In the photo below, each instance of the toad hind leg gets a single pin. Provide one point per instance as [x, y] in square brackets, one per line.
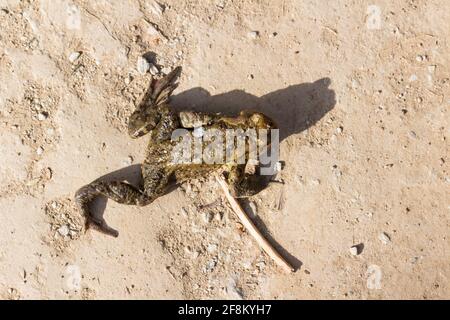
[118, 191]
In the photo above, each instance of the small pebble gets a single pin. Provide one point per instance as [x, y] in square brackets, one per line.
[253, 34]
[42, 116]
[166, 70]
[151, 30]
[128, 161]
[142, 65]
[63, 230]
[74, 56]
[210, 265]
[39, 150]
[219, 216]
[48, 173]
[221, 4]
[153, 69]
[356, 249]
[384, 238]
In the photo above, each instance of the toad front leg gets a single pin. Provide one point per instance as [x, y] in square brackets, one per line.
[153, 107]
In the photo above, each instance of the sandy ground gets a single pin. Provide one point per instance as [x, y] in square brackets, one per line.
[361, 93]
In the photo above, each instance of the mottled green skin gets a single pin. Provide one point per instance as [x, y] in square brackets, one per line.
[154, 116]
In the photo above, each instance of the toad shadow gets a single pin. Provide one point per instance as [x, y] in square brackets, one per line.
[294, 109]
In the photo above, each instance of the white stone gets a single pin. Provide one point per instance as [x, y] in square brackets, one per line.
[39, 150]
[63, 230]
[153, 69]
[142, 65]
[42, 116]
[74, 56]
[166, 70]
[253, 34]
[384, 238]
[354, 251]
[210, 265]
